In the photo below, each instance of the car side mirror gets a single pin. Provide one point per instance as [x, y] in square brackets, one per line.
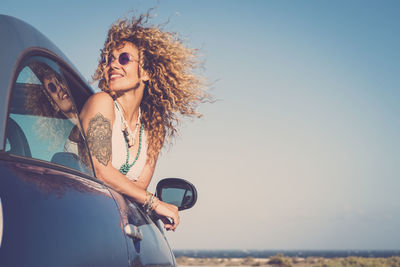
[178, 192]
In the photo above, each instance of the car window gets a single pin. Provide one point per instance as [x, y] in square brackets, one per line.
[43, 121]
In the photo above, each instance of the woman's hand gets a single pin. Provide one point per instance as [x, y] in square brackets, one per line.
[168, 214]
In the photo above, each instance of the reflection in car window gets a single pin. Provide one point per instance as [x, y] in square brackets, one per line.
[43, 122]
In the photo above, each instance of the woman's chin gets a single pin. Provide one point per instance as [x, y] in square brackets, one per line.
[123, 88]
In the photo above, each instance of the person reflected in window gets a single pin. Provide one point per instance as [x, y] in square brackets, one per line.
[59, 97]
[57, 93]
[57, 114]
[148, 80]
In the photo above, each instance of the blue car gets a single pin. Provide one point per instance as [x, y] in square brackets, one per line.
[53, 209]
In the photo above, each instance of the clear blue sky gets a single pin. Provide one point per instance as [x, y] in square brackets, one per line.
[302, 149]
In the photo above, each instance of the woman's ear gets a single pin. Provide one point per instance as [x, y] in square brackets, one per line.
[145, 76]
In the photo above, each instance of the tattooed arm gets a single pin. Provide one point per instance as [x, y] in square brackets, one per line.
[99, 138]
[97, 119]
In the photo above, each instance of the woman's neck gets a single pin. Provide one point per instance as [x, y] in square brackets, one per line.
[130, 102]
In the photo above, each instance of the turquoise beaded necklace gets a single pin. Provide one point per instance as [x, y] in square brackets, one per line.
[125, 167]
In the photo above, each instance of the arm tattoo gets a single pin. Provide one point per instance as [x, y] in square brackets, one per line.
[99, 138]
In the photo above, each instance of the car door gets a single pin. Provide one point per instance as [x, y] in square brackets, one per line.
[54, 212]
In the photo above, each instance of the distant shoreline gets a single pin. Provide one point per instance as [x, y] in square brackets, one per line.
[281, 260]
[225, 253]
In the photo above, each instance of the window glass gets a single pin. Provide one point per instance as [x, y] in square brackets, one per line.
[43, 121]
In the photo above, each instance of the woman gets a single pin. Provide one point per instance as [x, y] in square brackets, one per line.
[147, 80]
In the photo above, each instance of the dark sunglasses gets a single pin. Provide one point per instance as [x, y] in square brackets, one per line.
[52, 87]
[123, 59]
[55, 86]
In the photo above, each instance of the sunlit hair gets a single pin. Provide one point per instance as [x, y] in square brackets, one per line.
[174, 88]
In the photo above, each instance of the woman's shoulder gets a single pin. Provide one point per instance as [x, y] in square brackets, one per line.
[99, 103]
[100, 98]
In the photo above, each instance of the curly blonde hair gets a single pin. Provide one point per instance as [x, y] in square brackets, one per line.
[173, 89]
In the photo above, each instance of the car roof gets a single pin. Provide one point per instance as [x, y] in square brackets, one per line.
[17, 39]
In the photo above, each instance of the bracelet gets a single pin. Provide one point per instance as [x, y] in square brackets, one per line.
[156, 202]
[151, 202]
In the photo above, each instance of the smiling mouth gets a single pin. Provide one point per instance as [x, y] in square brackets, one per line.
[64, 95]
[114, 76]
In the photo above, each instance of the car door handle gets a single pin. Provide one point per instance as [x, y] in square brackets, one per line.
[133, 232]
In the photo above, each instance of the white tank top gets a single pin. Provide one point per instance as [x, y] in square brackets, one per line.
[119, 148]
